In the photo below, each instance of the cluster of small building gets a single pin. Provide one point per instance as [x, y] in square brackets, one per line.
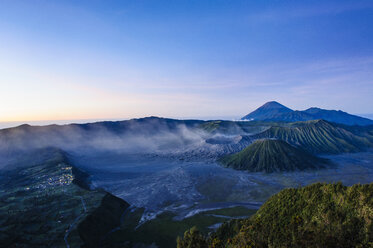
[63, 179]
[58, 180]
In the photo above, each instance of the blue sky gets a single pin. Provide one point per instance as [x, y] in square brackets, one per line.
[64, 60]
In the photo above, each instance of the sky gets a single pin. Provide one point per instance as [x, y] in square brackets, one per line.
[79, 60]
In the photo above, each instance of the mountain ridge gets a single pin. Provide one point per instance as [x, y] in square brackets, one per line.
[318, 137]
[274, 111]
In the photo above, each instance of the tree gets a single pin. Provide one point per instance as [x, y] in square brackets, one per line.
[192, 239]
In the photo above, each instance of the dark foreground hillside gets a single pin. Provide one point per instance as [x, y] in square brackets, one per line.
[319, 215]
[42, 203]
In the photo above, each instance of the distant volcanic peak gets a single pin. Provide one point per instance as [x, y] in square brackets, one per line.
[269, 110]
[274, 105]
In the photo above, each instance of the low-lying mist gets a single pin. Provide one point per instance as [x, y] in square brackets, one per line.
[176, 139]
[153, 135]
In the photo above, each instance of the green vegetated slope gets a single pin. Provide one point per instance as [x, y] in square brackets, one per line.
[318, 215]
[363, 131]
[270, 155]
[42, 203]
[221, 126]
[318, 137]
[233, 127]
